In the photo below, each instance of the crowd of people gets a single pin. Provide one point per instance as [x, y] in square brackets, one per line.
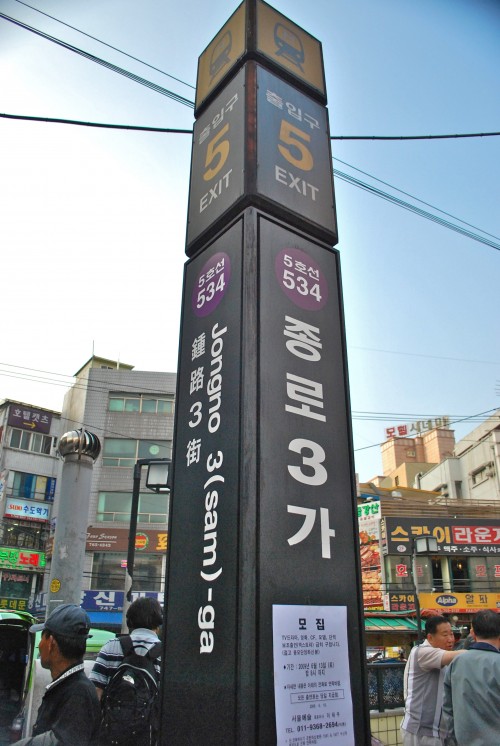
[452, 696]
[75, 709]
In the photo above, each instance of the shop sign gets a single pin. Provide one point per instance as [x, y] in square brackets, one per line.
[28, 418]
[116, 540]
[399, 602]
[463, 603]
[369, 543]
[27, 510]
[13, 604]
[454, 536]
[97, 600]
[21, 559]
[416, 428]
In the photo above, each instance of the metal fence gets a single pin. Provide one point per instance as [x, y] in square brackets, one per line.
[385, 685]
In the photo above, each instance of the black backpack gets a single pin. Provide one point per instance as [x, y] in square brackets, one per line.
[130, 703]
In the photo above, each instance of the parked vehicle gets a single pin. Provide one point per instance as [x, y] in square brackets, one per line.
[22, 678]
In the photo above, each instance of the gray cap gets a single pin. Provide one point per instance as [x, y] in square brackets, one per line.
[68, 620]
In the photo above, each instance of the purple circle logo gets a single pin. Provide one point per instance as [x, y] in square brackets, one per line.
[301, 279]
[211, 285]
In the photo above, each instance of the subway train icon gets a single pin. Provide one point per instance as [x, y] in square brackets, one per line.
[220, 54]
[288, 45]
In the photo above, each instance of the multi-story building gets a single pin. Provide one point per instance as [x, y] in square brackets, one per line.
[457, 503]
[132, 413]
[28, 485]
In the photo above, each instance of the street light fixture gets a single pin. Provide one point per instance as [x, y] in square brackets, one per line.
[158, 480]
[422, 545]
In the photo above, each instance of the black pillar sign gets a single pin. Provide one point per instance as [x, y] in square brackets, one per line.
[203, 552]
[263, 520]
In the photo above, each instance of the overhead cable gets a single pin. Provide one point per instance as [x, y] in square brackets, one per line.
[104, 63]
[110, 46]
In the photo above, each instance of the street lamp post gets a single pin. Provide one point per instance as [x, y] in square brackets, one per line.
[422, 545]
[157, 480]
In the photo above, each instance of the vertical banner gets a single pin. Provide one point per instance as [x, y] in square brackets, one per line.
[308, 532]
[203, 561]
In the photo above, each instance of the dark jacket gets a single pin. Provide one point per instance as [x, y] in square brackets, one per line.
[69, 713]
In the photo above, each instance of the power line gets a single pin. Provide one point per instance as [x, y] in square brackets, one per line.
[54, 120]
[116, 49]
[413, 208]
[407, 194]
[100, 61]
[413, 137]
[470, 418]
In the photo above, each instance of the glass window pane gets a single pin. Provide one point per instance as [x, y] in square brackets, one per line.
[36, 442]
[25, 441]
[40, 487]
[110, 461]
[132, 405]
[153, 502]
[110, 502]
[107, 571]
[116, 405]
[153, 449]
[15, 439]
[165, 406]
[149, 406]
[120, 447]
[46, 444]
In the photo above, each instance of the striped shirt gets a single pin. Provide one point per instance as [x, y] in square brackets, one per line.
[423, 686]
[111, 655]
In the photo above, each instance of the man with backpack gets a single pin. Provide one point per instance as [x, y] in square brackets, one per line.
[126, 675]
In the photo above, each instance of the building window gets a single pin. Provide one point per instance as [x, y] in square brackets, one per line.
[459, 572]
[142, 404]
[31, 486]
[23, 534]
[116, 506]
[26, 441]
[458, 490]
[108, 571]
[124, 452]
[479, 476]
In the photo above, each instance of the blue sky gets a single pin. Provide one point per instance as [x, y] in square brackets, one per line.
[93, 221]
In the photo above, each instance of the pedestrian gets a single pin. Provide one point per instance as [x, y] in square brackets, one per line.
[69, 712]
[126, 675]
[423, 685]
[471, 703]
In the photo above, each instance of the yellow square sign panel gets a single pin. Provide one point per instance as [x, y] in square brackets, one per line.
[222, 53]
[289, 46]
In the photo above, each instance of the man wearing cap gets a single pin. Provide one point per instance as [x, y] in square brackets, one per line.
[69, 713]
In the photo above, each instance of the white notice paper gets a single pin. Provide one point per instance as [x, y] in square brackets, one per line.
[311, 676]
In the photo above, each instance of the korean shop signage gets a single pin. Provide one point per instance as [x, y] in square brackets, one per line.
[116, 540]
[454, 536]
[28, 418]
[21, 559]
[399, 601]
[416, 428]
[369, 547]
[464, 603]
[28, 510]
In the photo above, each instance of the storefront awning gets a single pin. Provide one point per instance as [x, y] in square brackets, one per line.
[390, 624]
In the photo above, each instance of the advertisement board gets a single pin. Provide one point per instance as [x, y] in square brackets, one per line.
[453, 535]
